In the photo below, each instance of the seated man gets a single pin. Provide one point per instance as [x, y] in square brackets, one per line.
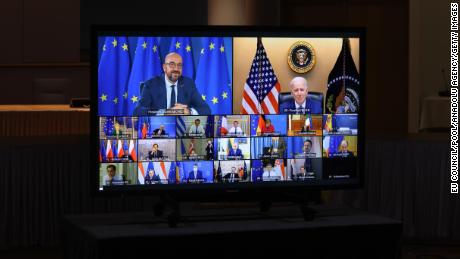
[155, 153]
[343, 150]
[160, 131]
[111, 178]
[270, 174]
[300, 104]
[195, 175]
[232, 176]
[171, 92]
[235, 130]
[235, 152]
[196, 129]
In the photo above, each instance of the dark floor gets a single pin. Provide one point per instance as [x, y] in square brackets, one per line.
[407, 252]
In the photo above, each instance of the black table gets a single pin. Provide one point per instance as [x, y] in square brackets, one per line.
[234, 233]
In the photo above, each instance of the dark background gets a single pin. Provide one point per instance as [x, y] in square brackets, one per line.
[407, 171]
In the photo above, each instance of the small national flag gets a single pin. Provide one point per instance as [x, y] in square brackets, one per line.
[260, 95]
[109, 126]
[121, 151]
[141, 174]
[132, 150]
[245, 171]
[109, 151]
[342, 94]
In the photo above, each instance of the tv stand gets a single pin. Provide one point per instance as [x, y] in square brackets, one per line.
[169, 205]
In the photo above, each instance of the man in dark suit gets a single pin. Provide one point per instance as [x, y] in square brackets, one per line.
[155, 153]
[235, 152]
[300, 104]
[151, 177]
[160, 131]
[232, 176]
[195, 174]
[171, 92]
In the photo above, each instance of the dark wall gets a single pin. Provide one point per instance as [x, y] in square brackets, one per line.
[140, 12]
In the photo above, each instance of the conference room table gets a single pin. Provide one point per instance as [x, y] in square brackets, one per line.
[43, 120]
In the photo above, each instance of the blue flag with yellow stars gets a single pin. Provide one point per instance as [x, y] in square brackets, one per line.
[183, 47]
[212, 77]
[146, 64]
[113, 74]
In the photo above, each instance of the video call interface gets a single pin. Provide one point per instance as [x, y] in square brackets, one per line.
[219, 110]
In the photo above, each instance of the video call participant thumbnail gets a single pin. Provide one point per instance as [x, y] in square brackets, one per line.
[235, 152]
[196, 175]
[343, 150]
[155, 153]
[111, 177]
[151, 177]
[235, 130]
[196, 130]
[232, 176]
[300, 103]
[171, 92]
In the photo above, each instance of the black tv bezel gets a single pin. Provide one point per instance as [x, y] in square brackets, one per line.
[218, 191]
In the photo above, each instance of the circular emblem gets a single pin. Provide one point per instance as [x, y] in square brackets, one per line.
[301, 57]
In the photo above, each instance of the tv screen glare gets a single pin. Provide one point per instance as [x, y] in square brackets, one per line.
[226, 107]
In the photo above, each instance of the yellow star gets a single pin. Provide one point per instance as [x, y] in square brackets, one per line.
[224, 95]
[215, 100]
[202, 51]
[211, 46]
[134, 99]
[114, 42]
[188, 48]
[125, 47]
[203, 97]
[154, 48]
[115, 100]
[104, 48]
[144, 45]
[177, 45]
[222, 49]
[103, 97]
[125, 95]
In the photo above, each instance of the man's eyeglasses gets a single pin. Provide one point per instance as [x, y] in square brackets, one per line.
[174, 65]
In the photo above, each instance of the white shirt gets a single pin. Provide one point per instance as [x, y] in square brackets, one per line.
[272, 174]
[304, 104]
[193, 129]
[168, 94]
[238, 130]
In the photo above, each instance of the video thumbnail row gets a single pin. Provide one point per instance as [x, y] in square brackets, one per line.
[298, 169]
[183, 149]
[227, 126]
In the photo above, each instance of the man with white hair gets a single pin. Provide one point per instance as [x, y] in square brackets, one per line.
[300, 104]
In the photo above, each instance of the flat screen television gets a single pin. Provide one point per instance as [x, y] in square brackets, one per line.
[210, 111]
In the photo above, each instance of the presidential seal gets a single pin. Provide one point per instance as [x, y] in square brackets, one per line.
[301, 57]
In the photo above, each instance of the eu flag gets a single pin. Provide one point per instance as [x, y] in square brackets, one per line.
[146, 64]
[113, 76]
[212, 77]
[183, 47]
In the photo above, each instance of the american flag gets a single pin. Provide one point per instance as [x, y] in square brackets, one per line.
[260, 95]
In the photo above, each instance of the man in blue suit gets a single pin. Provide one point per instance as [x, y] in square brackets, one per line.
[171, 92]
[235, 152]
[195, 174]
[300, 104]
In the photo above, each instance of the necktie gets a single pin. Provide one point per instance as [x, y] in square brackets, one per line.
[196, 130]
[173, 97]
[307, 164]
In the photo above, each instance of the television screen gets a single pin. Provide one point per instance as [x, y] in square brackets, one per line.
[213, 107]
